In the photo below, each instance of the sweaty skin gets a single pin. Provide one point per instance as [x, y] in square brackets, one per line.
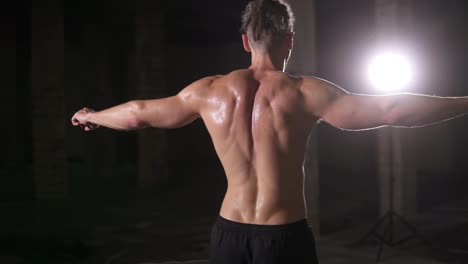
[259, 125]
[259, 120]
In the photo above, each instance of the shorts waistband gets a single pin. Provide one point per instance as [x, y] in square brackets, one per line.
[299, 225]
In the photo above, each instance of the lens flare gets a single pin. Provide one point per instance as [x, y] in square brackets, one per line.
[390, 72]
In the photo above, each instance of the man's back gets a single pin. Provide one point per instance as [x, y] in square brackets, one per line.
[259, 127]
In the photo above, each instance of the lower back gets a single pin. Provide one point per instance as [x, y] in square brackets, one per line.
[260, 200]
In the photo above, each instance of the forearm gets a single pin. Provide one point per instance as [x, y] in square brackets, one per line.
[410, 110]
[120, 117]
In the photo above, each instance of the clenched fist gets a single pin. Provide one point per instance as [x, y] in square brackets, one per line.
[81, 119]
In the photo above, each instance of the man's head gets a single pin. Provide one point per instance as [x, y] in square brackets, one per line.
[267, 25]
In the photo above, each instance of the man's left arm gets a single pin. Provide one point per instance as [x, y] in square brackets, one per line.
[360, 112]
[170, 112]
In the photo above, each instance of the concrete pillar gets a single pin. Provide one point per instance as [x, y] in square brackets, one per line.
[150, 83]
[48, 107]
[304, 62]
[304, 56]
[16, 182]
[392, 16]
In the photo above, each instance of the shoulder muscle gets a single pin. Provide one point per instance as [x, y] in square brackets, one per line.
[319, 94]
[197, 92]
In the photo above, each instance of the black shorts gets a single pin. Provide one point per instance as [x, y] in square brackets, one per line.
[238, 243]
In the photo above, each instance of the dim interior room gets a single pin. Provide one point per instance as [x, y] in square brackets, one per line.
[151, 196]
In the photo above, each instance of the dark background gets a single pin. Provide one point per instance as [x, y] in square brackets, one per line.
[98, 54]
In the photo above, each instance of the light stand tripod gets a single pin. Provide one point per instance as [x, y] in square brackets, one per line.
[387, 234]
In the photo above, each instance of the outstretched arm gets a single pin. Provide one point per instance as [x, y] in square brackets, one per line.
[171, 112]
[360, 112]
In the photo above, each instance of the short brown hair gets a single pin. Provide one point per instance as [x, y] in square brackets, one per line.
[267, 21]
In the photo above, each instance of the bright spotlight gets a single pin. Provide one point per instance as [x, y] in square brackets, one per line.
[390, 72]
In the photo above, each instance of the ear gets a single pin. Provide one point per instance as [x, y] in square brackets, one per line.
[291, 39]
[245, 41]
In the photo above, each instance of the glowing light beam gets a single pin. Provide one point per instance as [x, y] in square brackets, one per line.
[390, 72]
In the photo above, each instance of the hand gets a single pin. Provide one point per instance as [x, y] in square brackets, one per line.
[81, 119]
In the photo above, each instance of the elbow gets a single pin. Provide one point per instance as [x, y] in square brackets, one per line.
[392, 116]
[134, 120]
[391, 119]
[397, 118]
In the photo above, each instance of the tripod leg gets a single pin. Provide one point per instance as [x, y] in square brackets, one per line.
[413, 229]
[373, 229]
[379, 253]
[387, 233]
[392, 228]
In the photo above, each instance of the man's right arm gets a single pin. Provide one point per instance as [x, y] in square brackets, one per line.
[170, 112]
[360, 112]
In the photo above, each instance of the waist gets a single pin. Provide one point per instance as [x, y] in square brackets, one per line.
[226, 224]
[264, 212]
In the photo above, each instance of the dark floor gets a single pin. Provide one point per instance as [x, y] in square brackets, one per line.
[158, 229]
